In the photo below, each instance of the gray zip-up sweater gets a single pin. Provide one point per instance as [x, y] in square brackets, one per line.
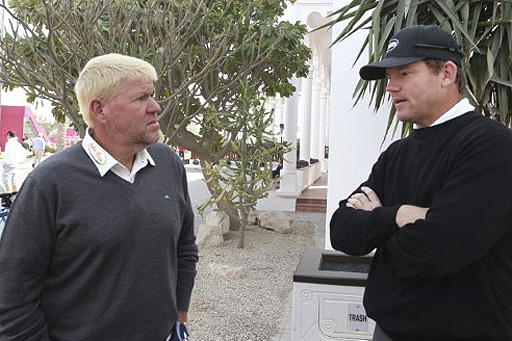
[85, 257]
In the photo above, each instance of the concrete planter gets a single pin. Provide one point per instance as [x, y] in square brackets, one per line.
[328, 292]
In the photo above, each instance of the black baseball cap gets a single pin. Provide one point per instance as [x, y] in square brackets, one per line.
[412, 44]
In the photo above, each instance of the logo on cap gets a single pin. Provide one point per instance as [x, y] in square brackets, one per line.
[392, 44]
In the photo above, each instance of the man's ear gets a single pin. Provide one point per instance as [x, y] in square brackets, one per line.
[449, 72]
[97, 110]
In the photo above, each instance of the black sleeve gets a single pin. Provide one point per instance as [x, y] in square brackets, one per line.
[358, 232]
[467, 218]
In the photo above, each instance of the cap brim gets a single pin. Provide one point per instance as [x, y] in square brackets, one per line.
[377, 70]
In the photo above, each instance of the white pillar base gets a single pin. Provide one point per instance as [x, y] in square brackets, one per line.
[288, 185]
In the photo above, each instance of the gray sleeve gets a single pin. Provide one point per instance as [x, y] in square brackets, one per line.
[187, 253]
[25, 254]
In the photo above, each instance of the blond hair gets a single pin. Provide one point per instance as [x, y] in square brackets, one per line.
[102, 77]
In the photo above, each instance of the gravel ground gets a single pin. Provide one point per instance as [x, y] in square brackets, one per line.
[250, 308]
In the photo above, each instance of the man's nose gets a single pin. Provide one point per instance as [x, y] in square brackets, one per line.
[155, 107]
[392, 86]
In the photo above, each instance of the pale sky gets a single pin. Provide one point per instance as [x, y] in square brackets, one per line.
[17, 97]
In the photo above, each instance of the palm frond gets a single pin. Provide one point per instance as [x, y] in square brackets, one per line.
[482, 28]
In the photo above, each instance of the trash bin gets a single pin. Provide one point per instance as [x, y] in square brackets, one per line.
[328, 289]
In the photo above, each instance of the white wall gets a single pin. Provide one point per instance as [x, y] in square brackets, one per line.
[302, 8]
[356, 132]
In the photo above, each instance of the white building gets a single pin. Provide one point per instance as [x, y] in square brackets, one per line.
[322, 112]
[323, 116]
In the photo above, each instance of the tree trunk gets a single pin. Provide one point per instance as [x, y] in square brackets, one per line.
[61, 136]
[241, 240]
[228, 208]
[225, 206]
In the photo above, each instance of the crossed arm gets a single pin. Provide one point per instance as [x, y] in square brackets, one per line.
[368, 201]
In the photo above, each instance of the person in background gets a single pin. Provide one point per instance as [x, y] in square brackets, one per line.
[99, 244]
[437, 206]
[181, 152]
[276, 173]
[38, 145]
[25, 142]
[13, 156]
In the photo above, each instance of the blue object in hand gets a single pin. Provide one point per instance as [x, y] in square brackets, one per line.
[179, 333]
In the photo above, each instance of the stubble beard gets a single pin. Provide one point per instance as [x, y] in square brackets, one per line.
[146, 139]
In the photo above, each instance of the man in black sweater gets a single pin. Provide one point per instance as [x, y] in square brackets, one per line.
[99, 244]
[437, 205]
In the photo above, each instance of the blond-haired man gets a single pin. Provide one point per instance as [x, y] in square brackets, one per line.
[99, 244]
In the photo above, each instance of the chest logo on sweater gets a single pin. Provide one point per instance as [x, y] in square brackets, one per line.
[98, 155]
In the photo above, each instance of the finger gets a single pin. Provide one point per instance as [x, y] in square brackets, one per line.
[362, 198]
[349, 205]
[352, 202]
[355, 203]
[372, 196]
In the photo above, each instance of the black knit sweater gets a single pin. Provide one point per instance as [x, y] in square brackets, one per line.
[448, 276]
[85, 257]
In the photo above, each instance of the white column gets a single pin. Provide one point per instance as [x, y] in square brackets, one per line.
[288, 185]
[315, 115]
[278, 107]
[323, 126]
[328, 116]
[279, 113]
[269, 106]
[305, 127]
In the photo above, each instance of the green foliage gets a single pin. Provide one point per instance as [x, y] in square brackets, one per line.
[200, 48]
[203, 51]
[482, 28]
[248, 176]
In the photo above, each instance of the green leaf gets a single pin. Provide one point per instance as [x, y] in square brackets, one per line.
[482, 28]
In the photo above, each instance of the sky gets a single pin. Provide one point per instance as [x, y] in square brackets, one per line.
[17, 97]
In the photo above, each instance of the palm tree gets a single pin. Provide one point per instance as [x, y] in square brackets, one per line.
[482, 28]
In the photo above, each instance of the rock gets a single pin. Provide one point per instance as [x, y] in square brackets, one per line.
[209, 236]
[218, 219]
[225, 271]
[277, 221]
[252, 217]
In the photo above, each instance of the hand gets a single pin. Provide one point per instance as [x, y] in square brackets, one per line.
[182, 316]
[368, 200]
[180, 331]
[408, 214]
